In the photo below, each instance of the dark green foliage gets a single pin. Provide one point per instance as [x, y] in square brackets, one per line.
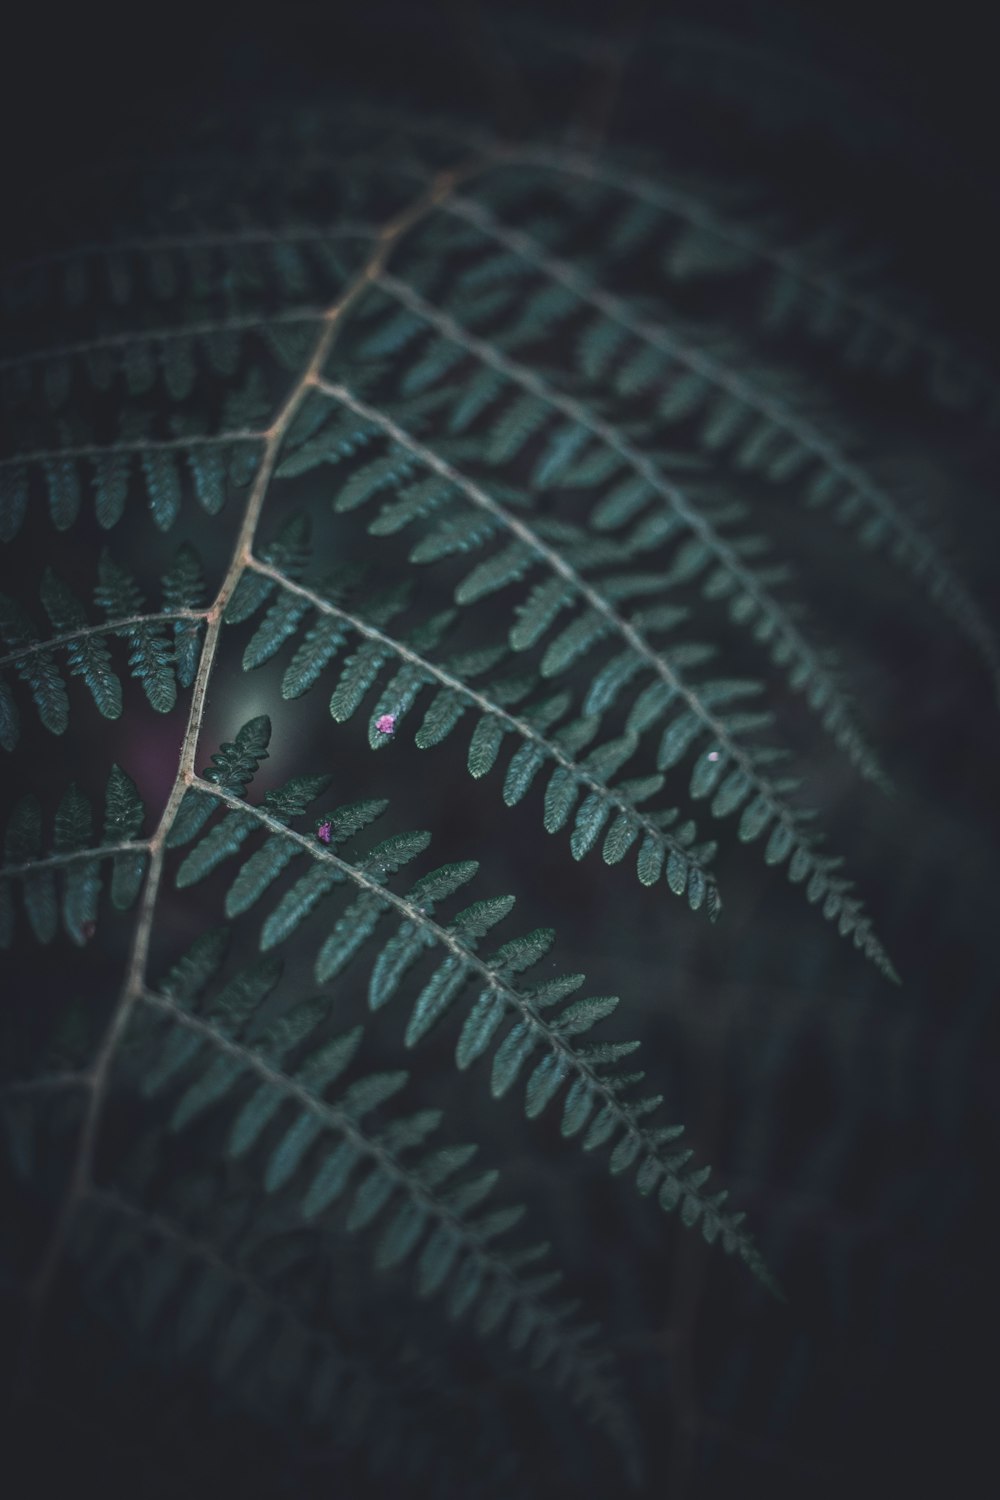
[184, 588]
[526, 454]
[164, 471]
[596, 1091]
[233, 767]
[324, 1140]
[33, 656]
[120, 597]
[194, 1298]
[690, 708]
[66, 882]
[464, 682]
[88, 657]
[37, 669]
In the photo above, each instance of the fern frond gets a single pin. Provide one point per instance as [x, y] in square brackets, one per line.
[565, 507]
[233, 767]
[596, 1093]
[88, 653]
[428, 1210]
[459, 685]
[813, 285]
[163, 469]
[108, 470]
[169, 268]
[34, 664]
[746, 586]
[229, 1302]
[144, 356]
[184, 590]
[32, 657]
[74, 858]
[808, 286]
[768, 427]
[690, 711]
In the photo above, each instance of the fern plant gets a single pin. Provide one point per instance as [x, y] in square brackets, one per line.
[427, 427]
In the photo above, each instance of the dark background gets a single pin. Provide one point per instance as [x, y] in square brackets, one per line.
[81, 80]
[857, 1124]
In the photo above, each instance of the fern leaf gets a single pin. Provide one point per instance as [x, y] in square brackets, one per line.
[151, 659]
[591, 488]
[458, 967]
[163, 486]
[774, 418]
[35, 666]
[88, 655]
[233, 767]
[236, 762]
[530, 546]
[288, 549]
[62, 481]
[777, 621]
[229, 1304]
[296, 904]
[74, 858]
[123, 817]
[594, 775]
[184, 589]
[81, 879]
[388, 1179]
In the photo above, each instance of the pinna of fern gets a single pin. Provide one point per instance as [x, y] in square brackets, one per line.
[59, 457]
[206, 1275]
[105, 472]
[284, 1367]
[212, 1047]
[698, 228]
[66, 882]
[159, 664]
[775, 435]
[595, 1103]
[588, 450]
[517, 1025]
[505, 702]
[814, 283]
[468, 517]
[185, 268]
[758, 414]
[204, 1047]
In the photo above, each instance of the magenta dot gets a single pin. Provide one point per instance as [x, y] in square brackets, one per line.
[323, 832]
[386, 724]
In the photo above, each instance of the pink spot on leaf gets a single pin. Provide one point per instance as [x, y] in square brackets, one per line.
[324, 832]
[386, 724]
[713, 755]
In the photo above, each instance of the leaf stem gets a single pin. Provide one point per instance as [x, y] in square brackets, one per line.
[53, 861]
[141, 445]
[108, 627]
